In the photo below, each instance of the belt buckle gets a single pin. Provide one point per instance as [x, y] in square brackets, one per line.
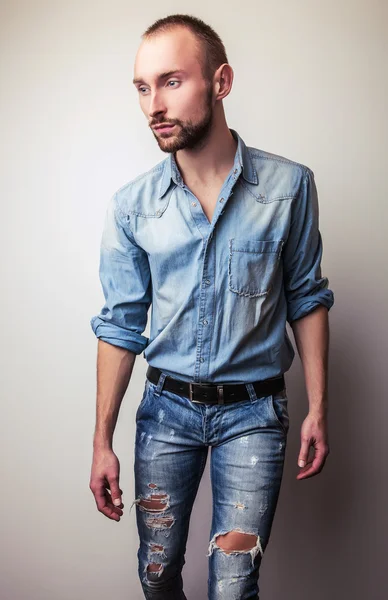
[191, 394]
[220, 394]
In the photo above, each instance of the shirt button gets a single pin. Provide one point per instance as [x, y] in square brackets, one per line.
[207, 281]
[201, 359]
[205, 322]
[221, 199]
[193, 204]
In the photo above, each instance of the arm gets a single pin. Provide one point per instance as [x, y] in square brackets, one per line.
[114, 370]
[311, 335]
[312, 339]
[309, 300]
[126, 282]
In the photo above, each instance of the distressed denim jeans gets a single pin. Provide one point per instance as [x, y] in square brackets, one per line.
[248, 444]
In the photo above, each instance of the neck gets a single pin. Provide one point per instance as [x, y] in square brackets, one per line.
[210, 162]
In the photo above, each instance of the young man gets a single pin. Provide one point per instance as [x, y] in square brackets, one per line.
[222, 239]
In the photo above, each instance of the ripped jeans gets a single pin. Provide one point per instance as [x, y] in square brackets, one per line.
[248, 442]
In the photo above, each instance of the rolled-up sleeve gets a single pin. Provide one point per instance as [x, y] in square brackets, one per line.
[305, 287]
[126, 282]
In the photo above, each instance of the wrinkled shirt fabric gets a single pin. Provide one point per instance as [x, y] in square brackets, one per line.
[220, 292]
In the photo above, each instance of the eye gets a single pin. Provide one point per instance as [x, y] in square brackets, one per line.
[141, 89]
[173, 81]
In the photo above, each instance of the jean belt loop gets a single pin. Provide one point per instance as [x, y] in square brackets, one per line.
[251, 391]
[159, 387]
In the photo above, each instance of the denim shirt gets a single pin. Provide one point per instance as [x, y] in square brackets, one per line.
[220, 292]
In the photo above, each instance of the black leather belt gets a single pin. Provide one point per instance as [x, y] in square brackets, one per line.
[213, 393]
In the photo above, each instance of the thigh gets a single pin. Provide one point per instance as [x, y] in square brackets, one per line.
[169, 463]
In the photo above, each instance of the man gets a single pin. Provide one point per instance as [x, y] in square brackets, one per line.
[223, 240]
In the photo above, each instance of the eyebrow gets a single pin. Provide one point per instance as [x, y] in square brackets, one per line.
[162, 75]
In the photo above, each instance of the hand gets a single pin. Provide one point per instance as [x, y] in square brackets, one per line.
[313, 433]
[104, 483]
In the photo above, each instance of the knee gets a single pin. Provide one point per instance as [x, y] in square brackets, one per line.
[236, 540]
[155, 568]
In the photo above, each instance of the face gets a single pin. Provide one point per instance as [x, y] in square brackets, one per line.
[172, 90]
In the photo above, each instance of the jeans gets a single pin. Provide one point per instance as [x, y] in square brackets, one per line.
[248, 444]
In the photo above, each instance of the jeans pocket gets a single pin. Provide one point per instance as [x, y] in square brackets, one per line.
[146, 396]
[278, 407]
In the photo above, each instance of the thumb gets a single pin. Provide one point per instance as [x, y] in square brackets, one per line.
[303, 454]
[115, 492]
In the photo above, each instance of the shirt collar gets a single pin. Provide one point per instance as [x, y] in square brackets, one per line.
[242, 160]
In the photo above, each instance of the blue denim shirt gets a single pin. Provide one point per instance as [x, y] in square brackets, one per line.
[220, 292]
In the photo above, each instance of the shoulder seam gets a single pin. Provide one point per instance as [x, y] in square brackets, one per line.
[258, 154]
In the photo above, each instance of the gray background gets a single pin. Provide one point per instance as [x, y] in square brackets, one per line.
[310, 84]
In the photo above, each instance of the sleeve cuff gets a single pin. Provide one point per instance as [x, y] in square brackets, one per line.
[303, 306]
[112, 334]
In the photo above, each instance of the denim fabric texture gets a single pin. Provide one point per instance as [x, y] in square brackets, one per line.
[248, 443]
[220, 292]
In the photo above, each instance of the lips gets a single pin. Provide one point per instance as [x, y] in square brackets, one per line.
[163, 127]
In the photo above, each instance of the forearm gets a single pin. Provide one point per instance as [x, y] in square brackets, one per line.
[311, 335]
[114, 370]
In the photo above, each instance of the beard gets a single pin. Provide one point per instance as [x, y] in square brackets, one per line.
[191, 135]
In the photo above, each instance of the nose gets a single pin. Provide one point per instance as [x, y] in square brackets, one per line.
[156, 106]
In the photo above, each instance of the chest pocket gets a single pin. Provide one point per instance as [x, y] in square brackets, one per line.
[252, 265]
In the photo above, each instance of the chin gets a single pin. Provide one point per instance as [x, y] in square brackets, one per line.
[169, 144]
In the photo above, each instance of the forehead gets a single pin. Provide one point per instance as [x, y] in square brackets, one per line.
[177, 49]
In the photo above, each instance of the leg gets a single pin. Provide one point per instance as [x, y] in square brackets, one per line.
[246, 473]
[169, 463]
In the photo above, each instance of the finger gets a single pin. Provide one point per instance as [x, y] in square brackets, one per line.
[114, 510]
[304, 453]
[305, 472]
[99, 496]
[107, 485]
[315, 466]
[115, 491]
[104, 505]
[109, 502]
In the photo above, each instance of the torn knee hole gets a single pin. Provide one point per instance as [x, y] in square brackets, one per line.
[154, 570]
[235, 540]
[154, 502]
[154, 567]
